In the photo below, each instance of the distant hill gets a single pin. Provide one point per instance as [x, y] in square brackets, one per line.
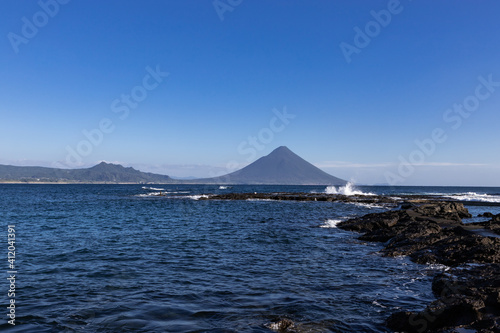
[280, 167]
[101, 173]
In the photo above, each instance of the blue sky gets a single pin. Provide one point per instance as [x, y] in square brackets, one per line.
[245, 77]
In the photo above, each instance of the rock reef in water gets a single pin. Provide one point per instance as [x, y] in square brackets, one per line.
[430, 233]
[428, 230]
[468, 296]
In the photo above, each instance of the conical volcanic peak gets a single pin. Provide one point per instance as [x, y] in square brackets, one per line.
[280, 167]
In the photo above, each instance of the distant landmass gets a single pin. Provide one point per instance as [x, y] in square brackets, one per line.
[280, 167]
[101, 173]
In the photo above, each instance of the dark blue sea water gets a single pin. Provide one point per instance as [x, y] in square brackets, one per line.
[116, 258]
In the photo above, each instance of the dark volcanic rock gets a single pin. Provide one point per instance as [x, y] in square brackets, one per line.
[379, 200]
[452, 246]
[283, 326]
[434, 233]
[374, 221]
[493, 224]
[468, 297]
[444, 210]
[429, 233]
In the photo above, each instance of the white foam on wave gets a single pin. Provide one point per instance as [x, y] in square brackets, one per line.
[473, 196]
[376, 303]
[256, 199]
[151, 194]
[224, 187]
[330, 223]
[153, 188]
[367, 205]
[438, 267]
[348, 189]
[197, 197]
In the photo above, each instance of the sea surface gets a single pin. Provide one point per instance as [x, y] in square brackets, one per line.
[119, 258]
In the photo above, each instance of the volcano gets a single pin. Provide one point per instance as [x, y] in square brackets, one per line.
[280, 167]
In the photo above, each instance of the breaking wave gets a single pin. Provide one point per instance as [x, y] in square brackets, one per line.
[330, 223]
[348, 189]
[197, 197]
[151, 194]
[153, 188]
[473, 196]
[368, 205]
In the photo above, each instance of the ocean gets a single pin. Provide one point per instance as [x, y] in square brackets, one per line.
[120, 258]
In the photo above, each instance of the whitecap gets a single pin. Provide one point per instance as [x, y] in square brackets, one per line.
[367, 205]
[197, 197]
[330, 223]
[473, 196]
[378, 304]
[151, 194]
[256, 199]
[153, 188]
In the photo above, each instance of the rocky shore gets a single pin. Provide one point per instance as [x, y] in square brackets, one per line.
[429, 230]
[468, 294]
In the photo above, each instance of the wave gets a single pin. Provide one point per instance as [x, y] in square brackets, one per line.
[473, 196]
[153, 188]
[367, 205]
[330, 223]
[255, 199]
[224, 187]
[197, 197]
[348, 189]
[151, 194]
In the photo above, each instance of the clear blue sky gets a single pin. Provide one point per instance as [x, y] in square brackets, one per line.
[359, 100]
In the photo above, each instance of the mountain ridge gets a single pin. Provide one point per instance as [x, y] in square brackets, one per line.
[100, 173]
[280, 167]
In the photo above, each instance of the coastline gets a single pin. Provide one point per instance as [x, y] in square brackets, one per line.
[468, 293]
[357, 275]
[429, 230]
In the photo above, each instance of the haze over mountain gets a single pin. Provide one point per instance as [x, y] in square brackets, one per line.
[280, 167]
